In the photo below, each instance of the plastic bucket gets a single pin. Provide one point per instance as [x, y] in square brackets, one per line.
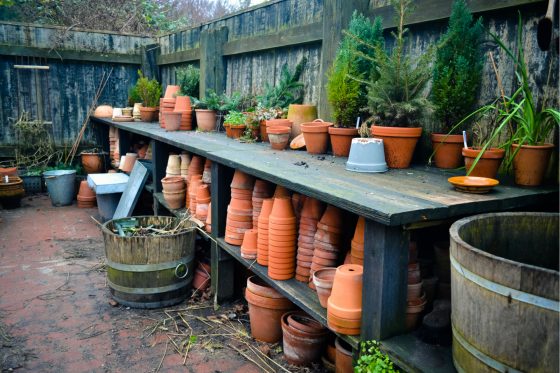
[61, 186]
[366, 155]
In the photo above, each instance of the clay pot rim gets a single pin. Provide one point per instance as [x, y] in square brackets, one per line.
[387, 131]
[182, 191]
[490, 153]
[278, 130]
[343, 131]
[315, 127]
[265, 302]
[298, 333]
[293, 322]
[349, 314]
[442, 138]
[536, 147]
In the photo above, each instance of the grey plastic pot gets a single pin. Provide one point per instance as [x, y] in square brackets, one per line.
[61, 186]
[366, 155]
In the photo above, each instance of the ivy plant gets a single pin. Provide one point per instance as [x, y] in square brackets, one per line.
[373, 360]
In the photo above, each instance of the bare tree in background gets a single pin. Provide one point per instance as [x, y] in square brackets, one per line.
[134, 16]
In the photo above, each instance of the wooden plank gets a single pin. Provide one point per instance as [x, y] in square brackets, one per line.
[298, 292]
[433, 10]
[130, 196]
[150, 55]
[66, 54]
[212, 62]
[293, 36]
[160, 151]
[188, 55]
[385, 273]
[413, 355]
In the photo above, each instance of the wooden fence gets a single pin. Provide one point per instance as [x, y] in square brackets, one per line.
[239, 52]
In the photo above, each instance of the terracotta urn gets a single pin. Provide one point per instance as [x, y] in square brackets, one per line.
[93, 163]
[299, 114]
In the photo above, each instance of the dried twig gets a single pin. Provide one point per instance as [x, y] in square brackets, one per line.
[163, 357]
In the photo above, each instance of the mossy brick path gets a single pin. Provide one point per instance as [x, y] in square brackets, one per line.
[74, 329]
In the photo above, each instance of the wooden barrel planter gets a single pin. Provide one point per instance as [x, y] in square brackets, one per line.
[150, 271]
[504, 290]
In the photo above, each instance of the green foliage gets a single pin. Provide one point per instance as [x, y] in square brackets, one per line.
[212, 101]
[361, 38]
[372, 360]
[458, 67]
[224, 103]
[343, 92]
[189, 81]
[289, 89]
[396, 98]
[148, 90]
[133, 96]
[156, 16]
[235, 118]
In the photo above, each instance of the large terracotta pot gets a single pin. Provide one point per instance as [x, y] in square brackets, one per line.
[205, 120]
[344, 306]
[447, 150]
[299, 114]
[303, 340]
[92, 162]
[399, 144]
[488, 165]
[316, 135]
[265, 314]
[173, 183]
[530, 163]
[148, 114]
[343, 359]
[172, 120]
[341, 139]
[175, 200]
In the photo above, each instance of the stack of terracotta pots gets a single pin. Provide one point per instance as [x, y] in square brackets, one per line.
[262, 237]
[298, 200]
[196, 167]
[185, 162]
[344, 306]
[266, 307]
[202, 202]
[249, 245]
[240, 210]
[343, 359]
[357, 244]
[174, 191]
[86, 196]
[167, 103]
[207, 173]
[281, 191]
[323, 280]
[311, 213]
[272, 123]
[194, 183]
[261, 191]
[173, 165]
[415, 298]
[183, 107]
[201, 279]
[304, 339]
[114, 146]
[208, 225]
[327, 240]
[282, 235]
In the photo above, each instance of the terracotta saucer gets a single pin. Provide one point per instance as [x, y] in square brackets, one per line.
[298, 142]
[473, 184]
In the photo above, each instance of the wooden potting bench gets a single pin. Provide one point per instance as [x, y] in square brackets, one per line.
[393, 203]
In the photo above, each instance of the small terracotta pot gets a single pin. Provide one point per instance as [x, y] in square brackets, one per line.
[302, 348]
[103, 111]
[447, 150]
[201, 280]
[343, 361]
[316, 135]
[323, 280]
[281, 191]
[346, 297]
[129, 161]
[488, 165]
[173, 183]
[413, 314]
[249, 245]
[332, 217]
[171, 91]
[91, 162]
[85, 191]
[175, 200]
[205, 120]
[148, 114]
[237, 130]
[399, 144]
[360, 231]
[341, 139]
[242, 180]
[265, 315]
[279, 137]
[530, 163]
[183, 103]
[172, 120]
[203, 193]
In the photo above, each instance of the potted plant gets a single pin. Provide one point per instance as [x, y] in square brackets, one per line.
[345, 88]
[456, 79]
[522, 123]
[205, 111]
[235, 120]
[149, 90]
[395, 94]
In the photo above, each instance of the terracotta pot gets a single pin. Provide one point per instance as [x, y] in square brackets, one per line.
[332, 218]
[341, 139]
[129, 161]
[301, 348]
[414, 291]
[414, 275]
[279, 137]
[203, 194]
[103, 111]
[8, 171]
[85, 191]
[93, 163]
[205, 120]
[258, 287]
[249, 245]
[304, 324]
[299, 114]
[413, 314]
[316, 136]
[330, 352]
[312, 208]
[175, 200]
[282, 209]
[360, 231]
[343, 361]
[281, 191]
[172, 120]
[323, 280]
[399, 144]
[183, 103]
[242, 180]
[173, 183]
[346, 297]
[201, 280]
[237, 130]
[488, 165]
[148, 114]
[530, 163]
[447, 150]
[265, 315]
[171, 91]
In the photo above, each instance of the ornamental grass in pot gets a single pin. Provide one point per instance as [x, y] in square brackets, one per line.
[346, 91]
[456, 79]
[395, 94]
[149, 91]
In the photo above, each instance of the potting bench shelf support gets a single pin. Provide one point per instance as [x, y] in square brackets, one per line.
[392, 203]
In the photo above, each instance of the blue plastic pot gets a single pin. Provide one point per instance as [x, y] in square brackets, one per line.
[366, 155]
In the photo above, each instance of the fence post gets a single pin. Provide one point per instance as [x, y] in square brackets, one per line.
[212, 61]
[336, 15]
[149, 66]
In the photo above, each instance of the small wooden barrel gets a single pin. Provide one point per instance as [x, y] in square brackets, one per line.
[150, 271]
[504, 291]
